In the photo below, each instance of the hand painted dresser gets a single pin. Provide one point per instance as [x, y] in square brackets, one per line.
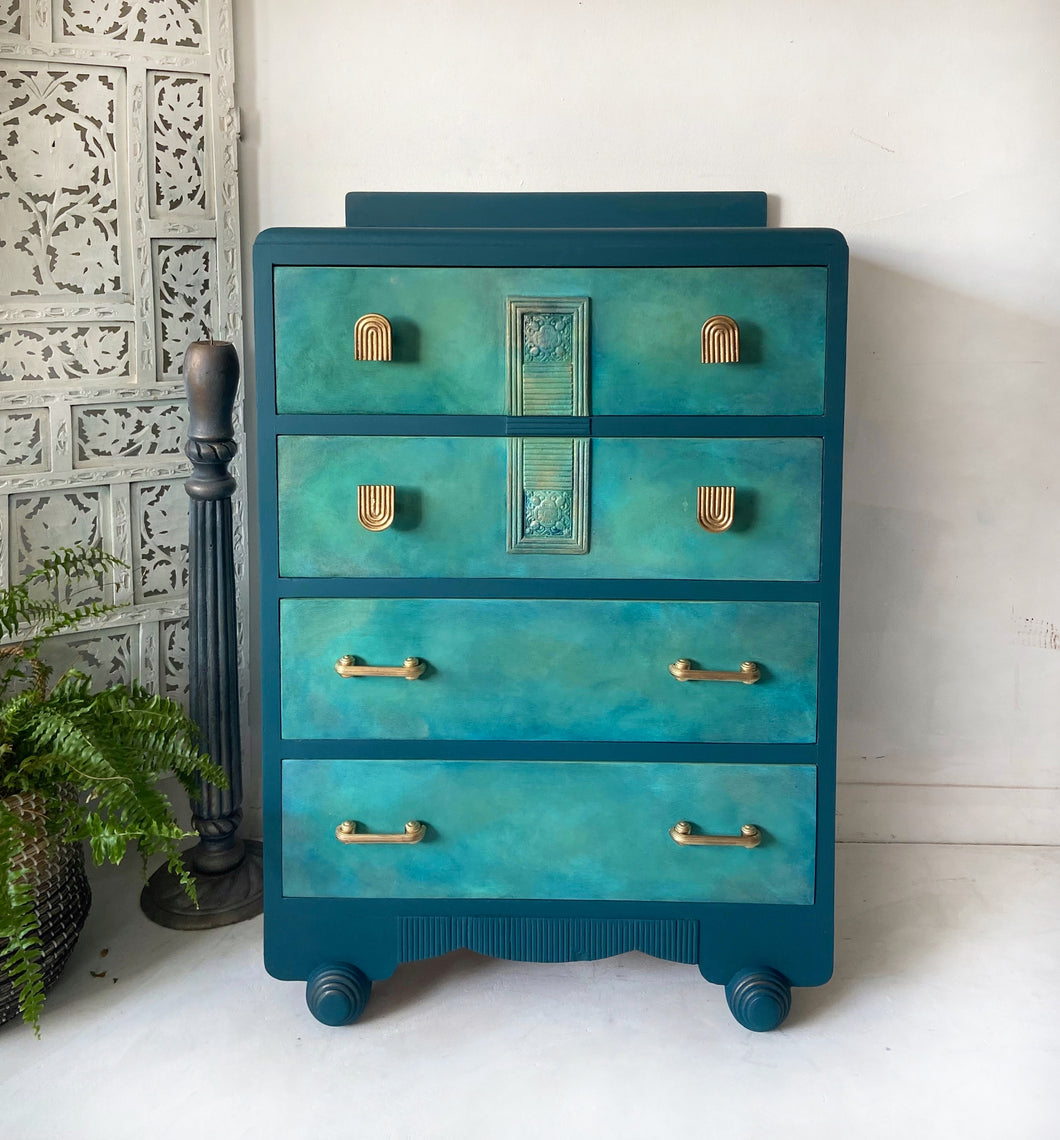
[550, 498]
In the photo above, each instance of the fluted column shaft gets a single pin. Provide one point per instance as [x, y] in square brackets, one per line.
[211, 374]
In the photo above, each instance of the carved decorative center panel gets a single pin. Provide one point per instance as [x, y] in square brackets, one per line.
[547, 514]
[548, 375]
[547, 338]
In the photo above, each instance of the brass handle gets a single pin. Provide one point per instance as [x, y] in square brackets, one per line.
[347, 832]
[681, 833]
[747, 674]
[347, 666]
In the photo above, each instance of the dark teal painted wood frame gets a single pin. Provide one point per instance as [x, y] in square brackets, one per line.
[723, 939]
[580, 211]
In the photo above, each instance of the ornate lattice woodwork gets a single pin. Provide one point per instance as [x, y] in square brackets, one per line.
[118, 209]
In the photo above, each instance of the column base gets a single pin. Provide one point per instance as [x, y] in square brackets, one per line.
[225, 898]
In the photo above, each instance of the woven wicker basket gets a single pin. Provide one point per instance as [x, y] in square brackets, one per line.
[56, 871]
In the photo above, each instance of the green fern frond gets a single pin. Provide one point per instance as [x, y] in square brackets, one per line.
[20, 945]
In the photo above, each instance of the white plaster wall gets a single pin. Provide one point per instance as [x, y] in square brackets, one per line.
[927, 132]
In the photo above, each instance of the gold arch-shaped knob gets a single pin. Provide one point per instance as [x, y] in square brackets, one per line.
[375, 505]
[716, 508]
[721, 340]
[373, 338]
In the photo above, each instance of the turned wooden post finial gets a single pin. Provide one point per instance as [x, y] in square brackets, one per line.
[211, 377]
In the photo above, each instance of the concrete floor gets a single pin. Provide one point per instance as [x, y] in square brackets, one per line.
[943, 1020]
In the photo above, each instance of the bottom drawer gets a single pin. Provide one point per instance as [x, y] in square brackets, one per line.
[548, 830]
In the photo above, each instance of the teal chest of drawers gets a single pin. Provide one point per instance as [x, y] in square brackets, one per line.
[550, 504]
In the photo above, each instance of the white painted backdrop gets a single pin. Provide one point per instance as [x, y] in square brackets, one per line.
[926, 131]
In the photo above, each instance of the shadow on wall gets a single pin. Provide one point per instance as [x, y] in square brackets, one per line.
[951, 412]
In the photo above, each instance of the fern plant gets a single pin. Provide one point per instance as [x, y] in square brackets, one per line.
[92, 757]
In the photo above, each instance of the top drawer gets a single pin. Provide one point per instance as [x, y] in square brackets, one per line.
[449, 328]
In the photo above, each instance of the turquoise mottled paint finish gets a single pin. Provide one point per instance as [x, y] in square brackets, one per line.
[449, 338]
[451, 509]
[785, 285]
[549, 830]
[548, 669]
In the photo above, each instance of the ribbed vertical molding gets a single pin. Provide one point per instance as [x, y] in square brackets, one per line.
[228, 881]
[548, 939]
[214, 679]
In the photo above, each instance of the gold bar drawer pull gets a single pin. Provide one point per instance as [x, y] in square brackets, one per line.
[747, 674]
[681, 833]
[412, 670]
[347, 832]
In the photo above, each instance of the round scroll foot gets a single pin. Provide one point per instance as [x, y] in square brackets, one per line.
[759, 998]
[337, 993]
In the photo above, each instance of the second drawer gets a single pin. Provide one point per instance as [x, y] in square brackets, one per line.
[451, 509]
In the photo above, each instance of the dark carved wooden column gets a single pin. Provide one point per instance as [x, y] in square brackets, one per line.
[227, 873]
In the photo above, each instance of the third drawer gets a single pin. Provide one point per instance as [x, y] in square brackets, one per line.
[518, 669]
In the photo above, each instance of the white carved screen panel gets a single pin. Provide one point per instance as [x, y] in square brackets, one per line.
[119, 244]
